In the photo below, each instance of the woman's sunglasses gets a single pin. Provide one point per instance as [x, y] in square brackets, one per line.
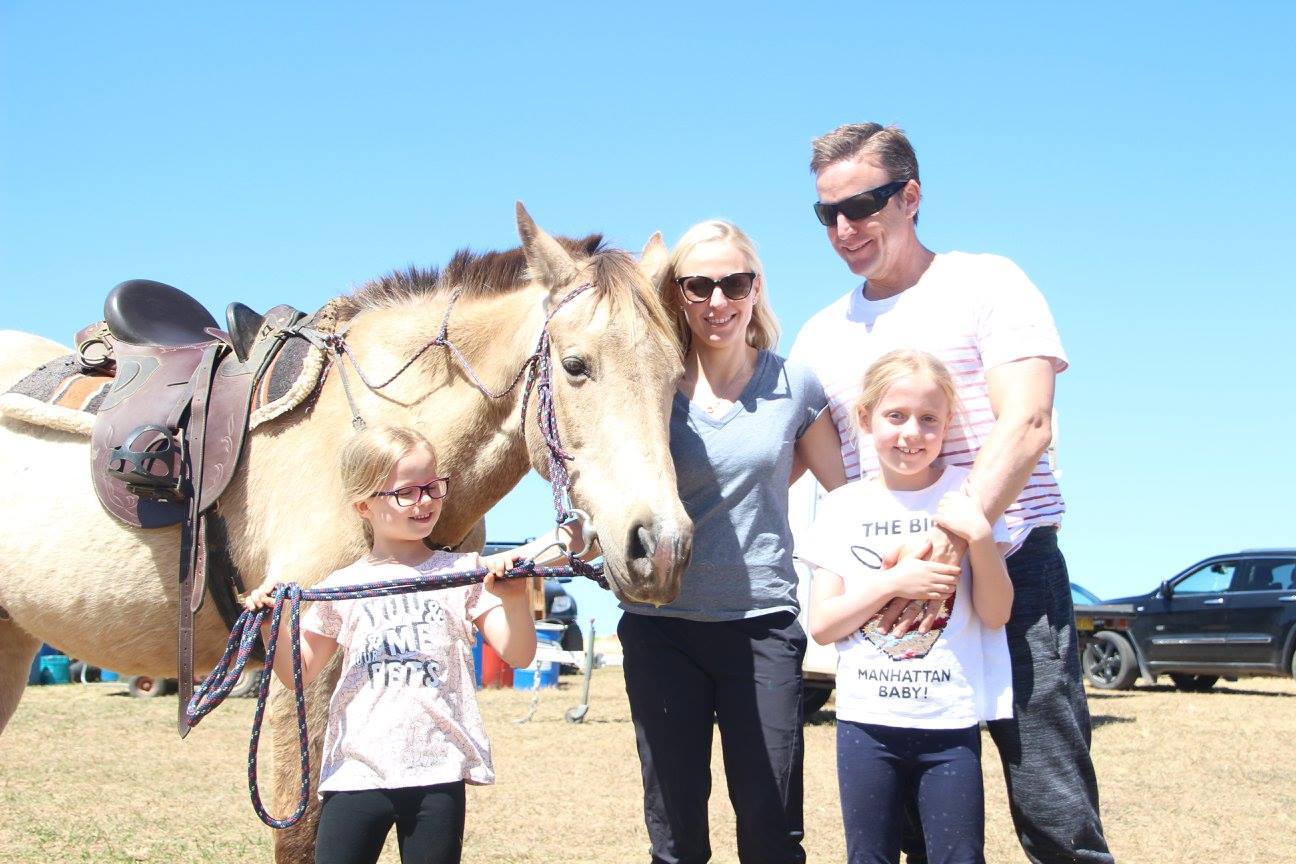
[408, 496]
[698, 289]
[860, 206]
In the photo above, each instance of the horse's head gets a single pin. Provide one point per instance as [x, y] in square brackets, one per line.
[616, 362]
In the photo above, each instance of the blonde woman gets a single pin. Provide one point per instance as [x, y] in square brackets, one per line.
[728, 651]
[404, 733]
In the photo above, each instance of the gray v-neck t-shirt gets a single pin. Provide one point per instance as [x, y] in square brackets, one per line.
[732, 471]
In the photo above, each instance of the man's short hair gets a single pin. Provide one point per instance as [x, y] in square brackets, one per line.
[885, 145]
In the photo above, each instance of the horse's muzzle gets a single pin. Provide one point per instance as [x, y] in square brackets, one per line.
[657, 554]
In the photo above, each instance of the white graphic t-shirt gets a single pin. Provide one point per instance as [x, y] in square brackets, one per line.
[949, 678]
[405, 709]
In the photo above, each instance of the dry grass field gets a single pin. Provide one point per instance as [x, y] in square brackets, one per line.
[90, 775]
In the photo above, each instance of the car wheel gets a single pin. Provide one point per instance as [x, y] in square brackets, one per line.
[1109, 661]
[813, 699]
[1193, 683]
[248, 684]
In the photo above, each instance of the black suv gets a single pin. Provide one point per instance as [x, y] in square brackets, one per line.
[1227, 616]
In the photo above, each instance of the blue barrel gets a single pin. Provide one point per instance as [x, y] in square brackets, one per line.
[541, 673]
[108, 675]
[54, 669]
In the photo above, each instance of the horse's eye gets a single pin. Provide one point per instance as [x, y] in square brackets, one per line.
[575, 367]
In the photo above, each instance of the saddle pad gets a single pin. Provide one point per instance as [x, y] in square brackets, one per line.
[58, 395]
[292, 377]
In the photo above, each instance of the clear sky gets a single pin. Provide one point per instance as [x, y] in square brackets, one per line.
[1134, 159]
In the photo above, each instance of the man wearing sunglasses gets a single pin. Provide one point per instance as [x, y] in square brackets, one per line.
[984, 318]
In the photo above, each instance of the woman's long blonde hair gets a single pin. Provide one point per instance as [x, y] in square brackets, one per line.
[894, 365]
[369, 457]
[763, 329]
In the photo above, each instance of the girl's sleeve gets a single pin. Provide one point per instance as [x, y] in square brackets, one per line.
[479, 601]
[322, 616]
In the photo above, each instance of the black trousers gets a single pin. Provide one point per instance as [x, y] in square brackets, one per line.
[1052, 787]
[429, 824]
[685, 677]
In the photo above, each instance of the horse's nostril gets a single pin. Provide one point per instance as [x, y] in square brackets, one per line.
[641, 543]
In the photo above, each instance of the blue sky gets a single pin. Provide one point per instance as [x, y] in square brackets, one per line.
[1135, 159]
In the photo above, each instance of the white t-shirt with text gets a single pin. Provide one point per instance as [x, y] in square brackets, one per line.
[949, 678]
[405, 709]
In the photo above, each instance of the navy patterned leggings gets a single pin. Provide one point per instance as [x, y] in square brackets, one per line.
[880, 768]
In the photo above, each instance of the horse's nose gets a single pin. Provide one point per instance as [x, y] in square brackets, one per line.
[661, 551]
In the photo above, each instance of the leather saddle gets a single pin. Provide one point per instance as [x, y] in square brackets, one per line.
[170, 432]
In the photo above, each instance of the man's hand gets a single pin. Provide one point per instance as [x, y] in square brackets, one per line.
[901, 615]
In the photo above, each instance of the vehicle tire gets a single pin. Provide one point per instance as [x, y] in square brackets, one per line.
[77, 671]
[145, 687]
[1193, 683]
[247, 684]
[813, 699]
[1109, 662]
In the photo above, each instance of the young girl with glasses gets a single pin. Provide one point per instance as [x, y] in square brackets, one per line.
[908, 707]
[404, 733]
[726, 653]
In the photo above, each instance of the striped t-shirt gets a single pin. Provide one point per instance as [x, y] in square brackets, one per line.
[974, 312]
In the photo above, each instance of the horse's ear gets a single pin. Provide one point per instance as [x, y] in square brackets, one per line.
[655, 258]
[548, 262]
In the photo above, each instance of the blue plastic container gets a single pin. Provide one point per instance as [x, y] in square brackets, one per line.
[54, 669]
[477, 659]
[108, 675]
[34, 674]
[541, 673]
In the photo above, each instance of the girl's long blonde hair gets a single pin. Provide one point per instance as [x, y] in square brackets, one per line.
[894, 365]
[369, 457]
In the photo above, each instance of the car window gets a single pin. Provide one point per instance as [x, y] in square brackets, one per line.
[1211, 579]
[1265, 574]
[1083, 596]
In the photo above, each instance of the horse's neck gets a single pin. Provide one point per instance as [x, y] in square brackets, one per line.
[492, 337]
[478, 437]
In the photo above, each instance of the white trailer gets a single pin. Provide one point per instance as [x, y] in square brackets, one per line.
[819, 670]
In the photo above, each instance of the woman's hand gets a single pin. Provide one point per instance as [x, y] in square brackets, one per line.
[961, 513]
[917, 579]
[496, 566]
[262, 596]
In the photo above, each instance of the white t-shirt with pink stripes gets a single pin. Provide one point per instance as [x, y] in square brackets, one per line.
[974, 312]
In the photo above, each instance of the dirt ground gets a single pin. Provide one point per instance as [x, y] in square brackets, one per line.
[88, 774]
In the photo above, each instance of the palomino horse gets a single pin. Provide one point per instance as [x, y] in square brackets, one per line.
[73, 576]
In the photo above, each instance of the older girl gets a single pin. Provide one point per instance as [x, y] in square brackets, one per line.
[908, 707]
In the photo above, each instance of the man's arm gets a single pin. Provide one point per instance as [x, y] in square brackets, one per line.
[1021, 395]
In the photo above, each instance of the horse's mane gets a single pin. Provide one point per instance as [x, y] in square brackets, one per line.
[614, 275]
[478, 272]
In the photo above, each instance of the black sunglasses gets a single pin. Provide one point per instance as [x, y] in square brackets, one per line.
[408, 496]
[860, 206]
[698, 289]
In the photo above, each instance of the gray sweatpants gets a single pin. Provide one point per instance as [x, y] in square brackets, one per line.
[1052, 788]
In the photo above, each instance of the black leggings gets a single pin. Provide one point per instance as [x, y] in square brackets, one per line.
[429, 824]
